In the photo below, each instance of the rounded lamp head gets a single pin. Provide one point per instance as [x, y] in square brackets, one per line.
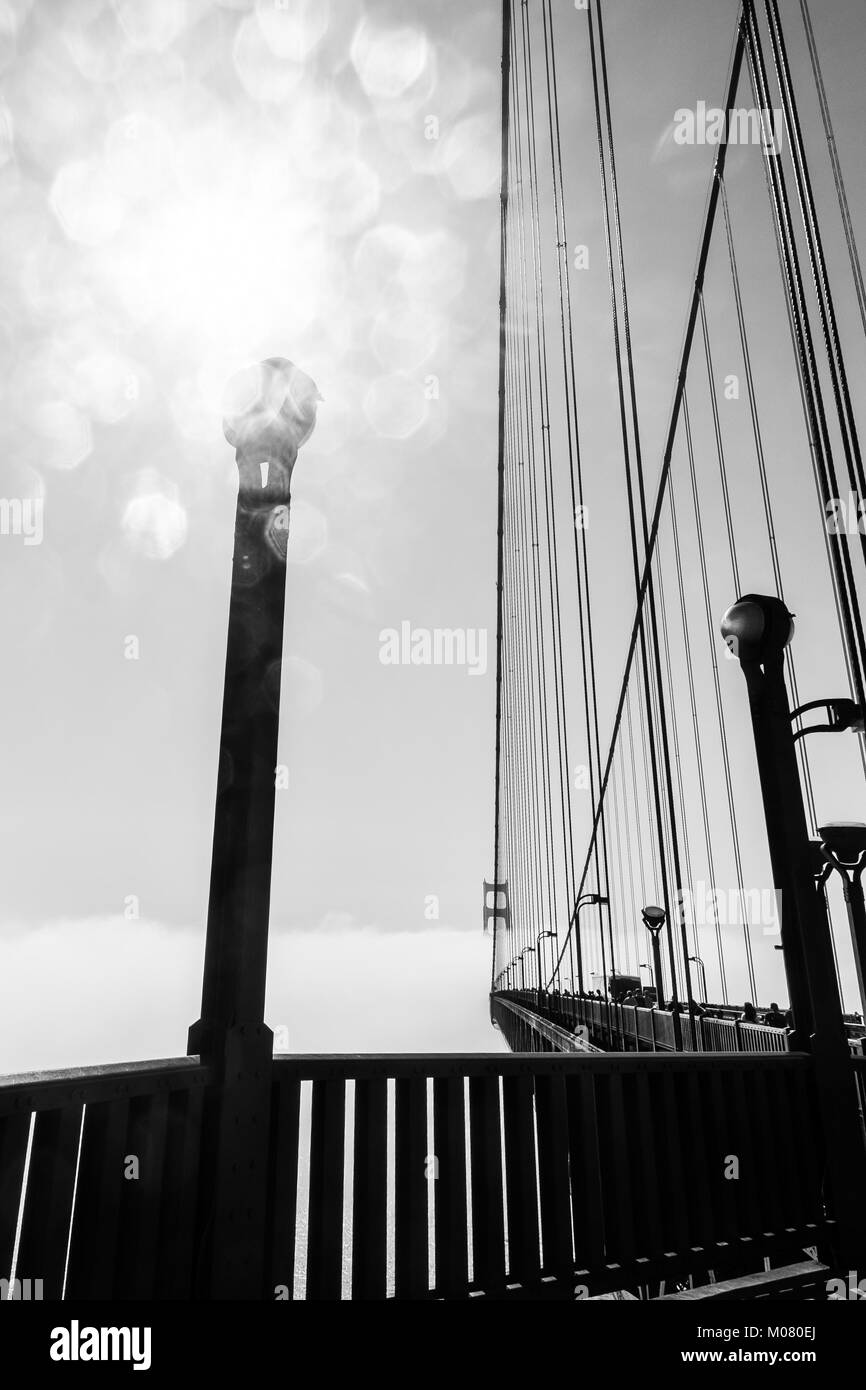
[845, 839]
[654, 915]
[269, 410]
[756, 627]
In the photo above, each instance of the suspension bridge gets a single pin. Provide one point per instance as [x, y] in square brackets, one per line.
[678, 929]
[636, 898]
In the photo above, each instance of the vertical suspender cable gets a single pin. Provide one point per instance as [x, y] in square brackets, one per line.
[659, 692]
[836, 166]
[575, 469]
[688, 336]
[696, 731]
[805, 355]
[500, 505]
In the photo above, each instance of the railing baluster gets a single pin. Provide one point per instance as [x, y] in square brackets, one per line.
[765, 1146]
[552, 1120]
[325, 1224]
[587, 1194]
[722, 1144]
[613, 1136]
[411, 1233]
[677, 1215]
[14, 1132]
[48, 1204]
[787, 1144]
[93, 1250]
[700, 1157]
[449, 1138]
[522, 1193]
[645, 1163]
[488, 1227]
[141, 1197]
[369, 1196]
[282, 1202]
[746, 1190]
[809, 1143]
[177, 1250]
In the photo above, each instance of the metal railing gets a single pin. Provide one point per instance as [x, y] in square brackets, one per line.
[417, 1176]
[99, 1170]
[640, 1029]
[623, 1157]
[529, 1031]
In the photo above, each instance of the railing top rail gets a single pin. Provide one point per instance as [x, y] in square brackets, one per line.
[364, 1066]
[760, 1027]
[48, 1090]
[560, 1037]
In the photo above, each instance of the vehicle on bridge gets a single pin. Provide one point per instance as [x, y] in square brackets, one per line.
[617, 987]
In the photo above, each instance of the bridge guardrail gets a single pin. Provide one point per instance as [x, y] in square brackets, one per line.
[620, 1151]
[112, 1177]
[654, 1028]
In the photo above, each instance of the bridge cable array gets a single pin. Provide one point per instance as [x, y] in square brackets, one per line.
[588, 833]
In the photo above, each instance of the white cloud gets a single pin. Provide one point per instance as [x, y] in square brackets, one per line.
[82, 992]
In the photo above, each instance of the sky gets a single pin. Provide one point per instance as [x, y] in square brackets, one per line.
[188, 186]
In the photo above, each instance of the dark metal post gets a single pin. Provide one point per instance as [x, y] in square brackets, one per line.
[586, 900]
[538, 976]
[654, 919]
[853, 890]
[657, 967]
[579, 953]
[761, 658]
[757, 629]
[843, 847]
[697, 960]
[276, 413]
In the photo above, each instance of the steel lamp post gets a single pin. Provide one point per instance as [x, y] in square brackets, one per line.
[271, 413]
[538, 941]
[843, 846]
[757, 630]
[654, 920]
[697, 960]
[585, 900]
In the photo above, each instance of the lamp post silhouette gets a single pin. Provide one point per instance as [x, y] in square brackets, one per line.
[523, 953]
[539, 939]
[757, 629]
[843, 846]
[697, 960]
[271, 412]
[654, 920]
[585, 900]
